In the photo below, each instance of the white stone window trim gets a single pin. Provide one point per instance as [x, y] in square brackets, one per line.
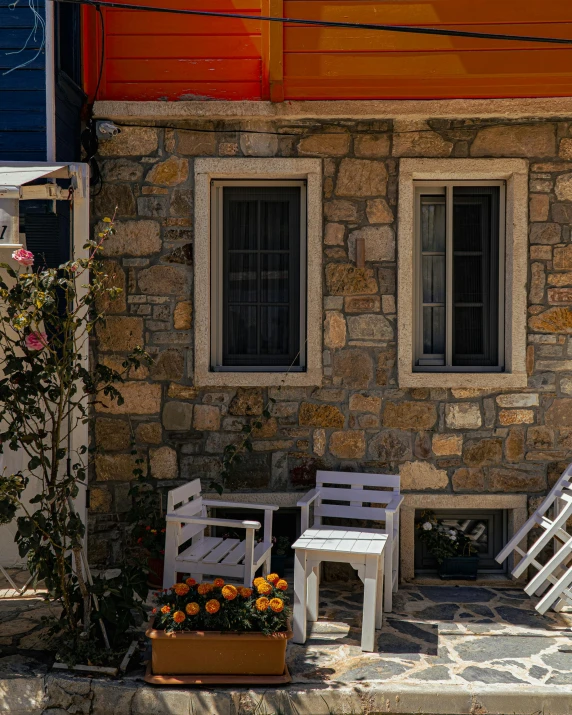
[272, 169]
[515, 173]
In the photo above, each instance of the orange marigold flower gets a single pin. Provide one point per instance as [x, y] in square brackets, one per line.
[192, 608]
[181, 589]
[282, 585]
[190, 582]
[258, 580]
[212, 606]
[262, 603]
[229, 592]
[276, 604]
[245, 592]
[179, 616]
[204, 588]
[218, 582]
[166, 609]
[273, 577]
[264, 588]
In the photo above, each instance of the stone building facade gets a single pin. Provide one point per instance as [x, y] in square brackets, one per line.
[459, 440]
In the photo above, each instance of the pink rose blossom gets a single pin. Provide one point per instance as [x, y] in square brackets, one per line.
[23, 257]
[36, 341]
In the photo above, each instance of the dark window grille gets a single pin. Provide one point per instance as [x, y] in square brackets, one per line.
[261, 276]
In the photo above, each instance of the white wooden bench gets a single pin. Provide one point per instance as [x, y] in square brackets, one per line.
[188, 549]
[367, 497]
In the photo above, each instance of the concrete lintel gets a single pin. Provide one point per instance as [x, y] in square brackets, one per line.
[347, 109]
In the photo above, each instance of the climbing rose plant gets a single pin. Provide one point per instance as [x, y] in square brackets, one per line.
[47, 317]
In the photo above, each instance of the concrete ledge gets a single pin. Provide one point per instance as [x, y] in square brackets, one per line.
[350, 109]
[22, 696]
[133, 698]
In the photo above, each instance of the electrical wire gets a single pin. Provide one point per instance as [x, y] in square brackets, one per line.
[410, 29]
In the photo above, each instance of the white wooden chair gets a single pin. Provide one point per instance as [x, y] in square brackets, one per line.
[349, 495]
[557, 571]
[188, 549]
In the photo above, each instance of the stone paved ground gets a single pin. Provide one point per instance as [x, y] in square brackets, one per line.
[438, 634]
[445, 649]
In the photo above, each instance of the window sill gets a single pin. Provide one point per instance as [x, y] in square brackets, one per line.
[476, 380]
[310, 378]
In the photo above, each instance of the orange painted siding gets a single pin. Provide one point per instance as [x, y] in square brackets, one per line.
[158, 56]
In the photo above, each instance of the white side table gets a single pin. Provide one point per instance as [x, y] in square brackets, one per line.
[363, 551]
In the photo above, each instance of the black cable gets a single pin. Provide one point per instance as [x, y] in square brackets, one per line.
[102, 59]
[414, 29]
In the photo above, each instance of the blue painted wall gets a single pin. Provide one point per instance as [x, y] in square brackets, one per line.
[23, 91]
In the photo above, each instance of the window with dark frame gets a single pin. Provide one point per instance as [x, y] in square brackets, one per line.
[459, 276]
[258, 316]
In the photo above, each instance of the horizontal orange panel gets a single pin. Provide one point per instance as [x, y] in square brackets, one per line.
[138, 22]
[416, 12]
[183, 70]
[322, 39]
[422, 65]
[182, 47]
[207, 5]
[176, 91]
[434, 88]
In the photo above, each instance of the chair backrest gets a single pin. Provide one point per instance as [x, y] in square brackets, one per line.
[186, 500]
[349, 495]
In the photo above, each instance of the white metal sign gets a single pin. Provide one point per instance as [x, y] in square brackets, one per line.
[9, 224]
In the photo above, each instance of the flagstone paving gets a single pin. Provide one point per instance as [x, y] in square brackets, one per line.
[437, 634]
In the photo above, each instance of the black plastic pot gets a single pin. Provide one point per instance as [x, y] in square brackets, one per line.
[459, 567]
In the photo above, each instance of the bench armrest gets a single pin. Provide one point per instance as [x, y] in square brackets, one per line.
[209, 521]
[308, 498]
[395, 503]
[239, 505]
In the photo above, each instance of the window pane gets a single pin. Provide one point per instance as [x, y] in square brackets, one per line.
[274, 330]
[274, 277]
[242, 225]
[433, 268]
[469, 223]
[242, 330]
[432, 224]
[433, 331]
[275, 225]
[468, 279]
[242, 278]
[469, 334]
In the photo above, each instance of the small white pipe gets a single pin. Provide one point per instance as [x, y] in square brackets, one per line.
[50, 84]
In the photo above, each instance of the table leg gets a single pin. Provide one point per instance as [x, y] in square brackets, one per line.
[379, 600]
[388, 585]
[369, 605]
[300, 596]
[313, 587]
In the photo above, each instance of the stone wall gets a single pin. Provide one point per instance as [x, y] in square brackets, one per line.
[458, 441]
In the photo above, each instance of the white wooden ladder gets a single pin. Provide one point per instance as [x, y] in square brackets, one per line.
[553, 579]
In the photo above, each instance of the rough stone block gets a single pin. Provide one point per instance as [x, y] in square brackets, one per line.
[320, 415]
[517, 480]
[362, 304]
[379, 243]
[112, 434]
[163, 463]
[447, 444]
[468, 480]
[516, 417]
[371, 326]
[334, 330]
[524, 399]
[149, 432]
[116, 467]
[545, 233]
[247, 401]
[346, 279]
[353, 367]
[140, 398]
[390, 446]
[177, 416]
[538, 207]
[131, 141]
[464, 415]
[526, 140]
[191, 143]
[164, 280]
[378, 211]
[563, 187]
[133, 238]
[361, 177]
[371, 145]
[418, 476]
[409, 415]
[415, 138]
[365, 403]
[483, 452]
[206, 417]
[334, 234]
[348, 445]
[170, 172]
[324, 145]
[169, 365]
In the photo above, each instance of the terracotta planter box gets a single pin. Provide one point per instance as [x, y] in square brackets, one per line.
[218, 653]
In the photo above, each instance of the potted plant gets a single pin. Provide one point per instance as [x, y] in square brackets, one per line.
[452, 548]
[280, 548]
[220, 633]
